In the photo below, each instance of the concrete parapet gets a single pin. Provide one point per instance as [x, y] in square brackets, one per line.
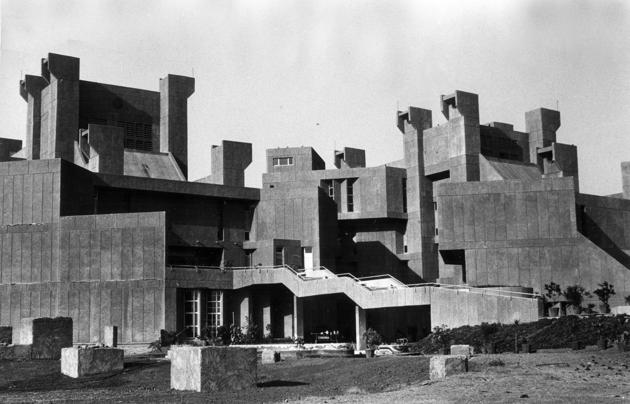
[79, 362]
[442, 366]
[204, 369]
[6, 334]
[463, 350]
[15, 353]
[269, 356]
[110, 336]
[46, 336]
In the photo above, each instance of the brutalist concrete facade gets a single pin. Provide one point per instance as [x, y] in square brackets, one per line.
[99, 222]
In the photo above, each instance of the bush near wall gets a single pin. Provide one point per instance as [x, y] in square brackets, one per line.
[543, 334]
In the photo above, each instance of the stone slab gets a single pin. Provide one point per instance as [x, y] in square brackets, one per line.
[6, 334]
[47, 336]
[110, 336]
[15, 353]
[78, 362]
[442, 366]
[205, 369]
[269, 356]
[465, 350]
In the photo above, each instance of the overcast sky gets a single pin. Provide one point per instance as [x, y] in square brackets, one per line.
[331, 73]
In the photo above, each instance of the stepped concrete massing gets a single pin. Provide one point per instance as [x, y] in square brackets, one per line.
[100, 222]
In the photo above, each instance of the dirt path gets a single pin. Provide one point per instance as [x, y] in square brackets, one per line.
[584, 377]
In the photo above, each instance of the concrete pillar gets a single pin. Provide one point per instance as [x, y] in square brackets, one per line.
[59, 107]
[266, 314]
[541, 124]
[31, 90]
[360, 320]
[298, 317]
[245, 312]
[174, 93]
[170, 311]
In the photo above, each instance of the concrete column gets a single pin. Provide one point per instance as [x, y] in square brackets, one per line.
[31, 90]
[245, 309]
[170, 312]
[59, 107]
[266, 314]
[360, 320]
[174, 93]
[298, 317]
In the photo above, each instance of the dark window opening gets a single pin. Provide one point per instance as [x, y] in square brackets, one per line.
[404, 194]
[282, 161]
[194, 256]
[278, 258]
[455, 258]
[138, 136]
[350, 199]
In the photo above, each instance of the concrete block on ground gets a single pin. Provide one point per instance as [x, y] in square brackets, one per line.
[269, 356]
[6, 334]
[79, 362]
[620, 310]
[15, 353]
[110, 336]
[465, 350]
[46, 336]
[442, 366]
[204, 369]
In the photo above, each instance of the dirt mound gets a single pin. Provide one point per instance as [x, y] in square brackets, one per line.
[543, 334]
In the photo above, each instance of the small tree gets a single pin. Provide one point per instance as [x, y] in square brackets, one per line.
[627, 298]
[605, 291]
[552, 291]
[575, 296]
[487, 330]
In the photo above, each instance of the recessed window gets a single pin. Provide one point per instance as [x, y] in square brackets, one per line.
[350, 194]
[282, 161]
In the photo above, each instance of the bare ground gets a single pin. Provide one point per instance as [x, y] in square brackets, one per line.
[584, 376]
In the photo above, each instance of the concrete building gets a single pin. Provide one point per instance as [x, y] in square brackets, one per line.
[100, 223]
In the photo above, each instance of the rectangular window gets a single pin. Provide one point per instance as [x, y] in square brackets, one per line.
[192, 314]
[331, 191]
[282, 161]
[279, 256]
[214, 318]
[350, 200]
[404, 194]
[434, 205]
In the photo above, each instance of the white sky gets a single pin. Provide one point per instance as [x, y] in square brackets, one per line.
[331, 73]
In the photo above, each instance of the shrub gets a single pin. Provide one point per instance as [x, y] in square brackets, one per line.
[627, 298]
[487, 330]
[372, 338]
[605, 291]
[439, 336]
[575, 295]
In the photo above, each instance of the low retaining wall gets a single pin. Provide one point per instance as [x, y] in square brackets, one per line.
[205, 369]
[78, 362]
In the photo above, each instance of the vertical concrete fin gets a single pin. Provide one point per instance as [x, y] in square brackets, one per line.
[541, 124]
[174, 93]
[59, 107]
[31, 90]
